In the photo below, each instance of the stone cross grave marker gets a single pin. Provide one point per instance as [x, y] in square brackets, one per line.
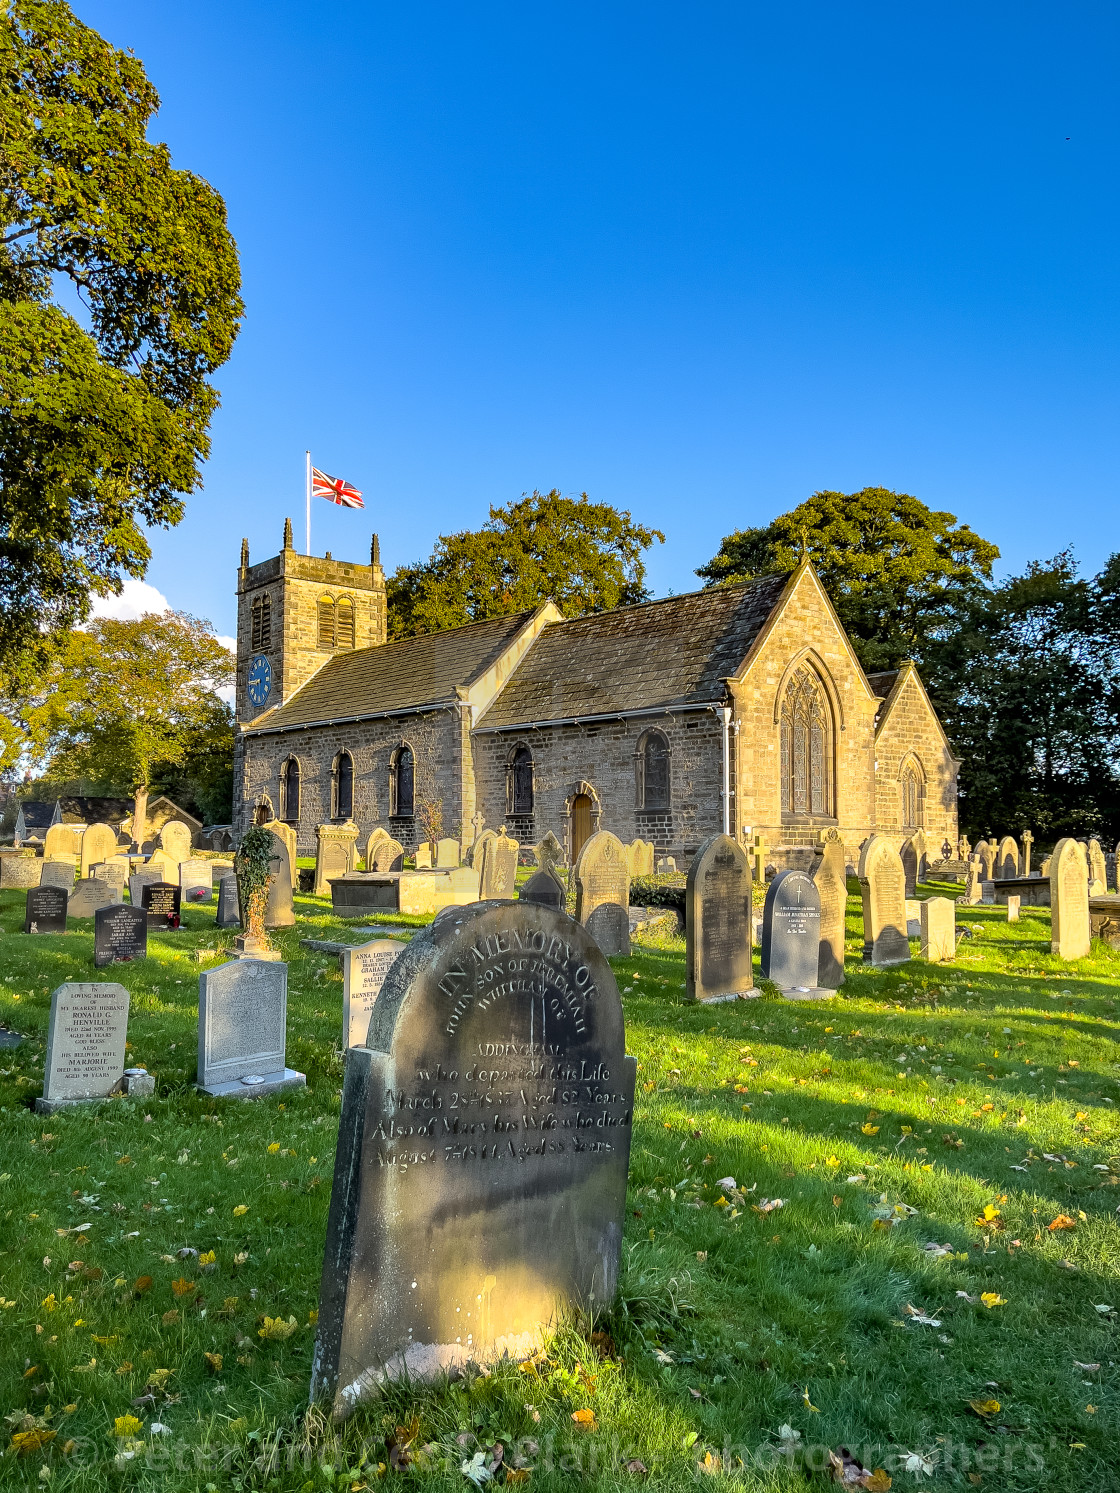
[335, 854]
[939, 929]
[175, 840]
[363, 974]
[549, 852]
[18, 872]
[388, 855]
[85, 1044]
[666, 866]
[229, 911]
[544, 888]
[1007, 859]
[480, 1176]
[46, 910]
[196, 881]
[717, 922]
[99, 843]
[91, 894]
[831, 877]
[498, 874]
[120, 934]
[964, 849]
[972, 890]
[242, 1030]
[447, 854]
[1069, 901]
[1025, 855]
[602, 876]
[791, 932]
[278, 911]
[162, 902]
[883, 885]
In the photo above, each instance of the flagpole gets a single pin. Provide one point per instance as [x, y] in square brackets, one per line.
[308, 455]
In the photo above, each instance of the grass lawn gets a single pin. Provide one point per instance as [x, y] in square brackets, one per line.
[918, 1260]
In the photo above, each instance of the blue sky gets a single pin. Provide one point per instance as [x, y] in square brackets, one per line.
[698, 261]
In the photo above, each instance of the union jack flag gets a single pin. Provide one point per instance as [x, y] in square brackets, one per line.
[335, 490]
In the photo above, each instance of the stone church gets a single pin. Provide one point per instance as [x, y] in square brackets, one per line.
[741, 706]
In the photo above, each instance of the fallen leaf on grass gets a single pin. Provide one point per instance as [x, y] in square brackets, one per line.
[937, 1251]
[170, 1318]
[807, 1403]
[240, 1209]
[182, 1286]
[992, 1298]
[662, 1356]
[1063, 1221]
[869, 1129]
[126, 1425]
[985, 1407]
[585, 1420]
[518, 1474]
[26, 1442]
[1090, 1368]
[141, 1284]
[767, 1205]
[850, 1473]
[275, 1329]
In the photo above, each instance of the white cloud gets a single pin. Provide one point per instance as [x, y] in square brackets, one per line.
[227, 642]
[136, 599]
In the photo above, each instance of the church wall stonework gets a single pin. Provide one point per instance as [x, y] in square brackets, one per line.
[910, 732]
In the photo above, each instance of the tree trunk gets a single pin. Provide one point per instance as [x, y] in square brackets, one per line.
[140, 815]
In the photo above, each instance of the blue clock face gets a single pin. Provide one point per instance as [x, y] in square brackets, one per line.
[260, 679]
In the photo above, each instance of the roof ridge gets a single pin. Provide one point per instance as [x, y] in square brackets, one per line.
[657, 601]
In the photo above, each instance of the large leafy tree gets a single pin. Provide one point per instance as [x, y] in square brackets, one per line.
[904, 578]
[586, 556]
[119, 296]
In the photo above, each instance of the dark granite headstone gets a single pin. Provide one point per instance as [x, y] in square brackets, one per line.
[120, 933]
[46, 910]
[160, 900]
[229, 911]
[544, 888]
[791, 931]
[480, 1177]
[718, 922]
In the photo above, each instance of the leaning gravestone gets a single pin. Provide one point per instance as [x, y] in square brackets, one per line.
[1069, 901]
[388, 855]
[242, 1030]
[447, 854]
[46, 910]
[99, 843]
[498, 869]
[938, 929]
[544, 888]
[717, 922]
[831, 877]
[89, 895]
[162, 903]
[58, 873]
[175, 839]
[278, 912]
[120, 934]
[480, 1177]
[883, 885]
[602, 876]
[229, 913]
[196, 881]
[791, 932]
[85, 1044]
[363, 974]
[18, 872]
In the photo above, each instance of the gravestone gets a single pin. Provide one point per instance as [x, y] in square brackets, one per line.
[114, 871]
[85, 1044]
[1007, 859]
[57, 873]
[883, 885]
[1013, 909]
[1025, 854]
[242, 1030]
[46, 910]
[278, 911]
[388, 855]
[498, 872]
[641, 854]
[666, 866]
[120, 934]
[544, 888]
[286, 834]
[987, 854]
[447, 854]
[335, 854]
[63, 840]
[137, 882]
[791, 932]
[1044, 865]
[549, 852]
[972, 891]
[1097, 869]
[165, 866]
[423, 857]
[602, 876]
[1069, 901]
[939, 930]
[379, 832]
[196, 881]
[964, 849]
[717, 922]
[17, 872]
[363, 974]
[175, 840]
[913, 918]
[909, 857]
[99, 843]
[162, 903]
[831, 877]
[91, 894]
[480, 1176]
[229, 912]
[478, 849]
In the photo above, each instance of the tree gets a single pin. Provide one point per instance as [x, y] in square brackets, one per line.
[119, 296]
[902, 577]
[121, 698]
[586, 556]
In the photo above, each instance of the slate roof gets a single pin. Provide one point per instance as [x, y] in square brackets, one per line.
[411, 673]
[76, 810]
[884, 684]
[665, 653]
[38, 814]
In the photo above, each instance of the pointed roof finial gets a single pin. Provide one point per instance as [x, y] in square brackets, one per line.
[804, 543]
[375, 551]
[287, 533]
[245, 554]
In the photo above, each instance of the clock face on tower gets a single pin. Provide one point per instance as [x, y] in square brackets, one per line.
[260, 679]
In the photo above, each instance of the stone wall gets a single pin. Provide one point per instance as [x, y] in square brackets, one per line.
[909, 732]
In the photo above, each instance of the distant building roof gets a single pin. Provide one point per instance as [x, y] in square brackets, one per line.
[38, 814]
[95, 810]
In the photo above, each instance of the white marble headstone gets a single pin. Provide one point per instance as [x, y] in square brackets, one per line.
[85, 1040]
[363, 973]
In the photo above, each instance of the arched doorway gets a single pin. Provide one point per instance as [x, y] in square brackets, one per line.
[581, 823]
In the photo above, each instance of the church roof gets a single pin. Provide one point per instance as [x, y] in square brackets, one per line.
[409, 674]
[672, 652]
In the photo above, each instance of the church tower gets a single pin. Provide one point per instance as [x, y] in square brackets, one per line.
[294, 613]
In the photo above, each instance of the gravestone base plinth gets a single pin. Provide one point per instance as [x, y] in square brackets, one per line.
[734, 995]
[243, 1088]
[247, 946]
[136, 1083]
[806, 993]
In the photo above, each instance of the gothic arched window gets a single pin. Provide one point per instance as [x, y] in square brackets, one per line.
[342, 786]
[912, 795]
[289, 791]
[806, 747]
[326, 622]
[261, 631]
[519, 782]
[653, 771]
[401, 783]
[344, 622]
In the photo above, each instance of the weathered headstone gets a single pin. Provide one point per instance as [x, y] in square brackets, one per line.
[175, 839]
[1044, 865]
[831, 877]
[379, 832]
[544, 888]
[602, 876]
[666, 866]
[363, 973]
[1069, 901]
[18, 872]
[286, 834]
[1013, 909]
[641, 854]
[388, 855]
[498, 872]
[1097, 869]
[99, 843]
[423, 857]
[229, 912]
[120, 934]
[1007, 860]
[335, 854]
[883, 885]
[57, 873]
[939, 930]
[972, 892]
[278, 911]
[987, 854]
[162, 902]
[478, 849]
[458, 1231]
[791, 932]
[85, 1044]
[137, 882]
[909, 857]
[242, 1030]
[913, 918]
[163, 865]
[717, 922]
[46, 910]
[964, 849]
[549, 852]
[196, 881]
[91, 894]
[63, 840]
[447, 854]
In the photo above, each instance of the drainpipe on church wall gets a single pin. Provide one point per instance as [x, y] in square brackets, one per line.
[725, 717]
